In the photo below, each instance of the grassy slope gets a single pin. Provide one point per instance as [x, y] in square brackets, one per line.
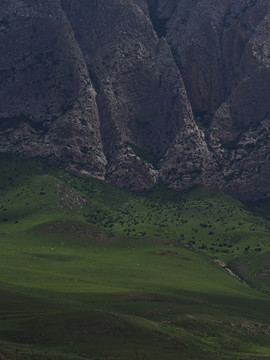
[88, 271]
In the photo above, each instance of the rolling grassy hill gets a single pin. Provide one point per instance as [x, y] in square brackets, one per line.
[88, 271]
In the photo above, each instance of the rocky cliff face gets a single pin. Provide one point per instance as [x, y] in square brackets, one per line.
[47, 101]
[136, 91]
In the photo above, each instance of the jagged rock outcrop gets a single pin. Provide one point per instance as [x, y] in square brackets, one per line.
[140, 93]
[222, 51]
[239, 133]
[47, 101]
[137, 91]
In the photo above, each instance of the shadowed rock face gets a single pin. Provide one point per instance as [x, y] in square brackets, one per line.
[136, 91]
[222, 51]
[140, 93]
[47, 102]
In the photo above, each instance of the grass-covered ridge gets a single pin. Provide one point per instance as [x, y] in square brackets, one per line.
[88, 271]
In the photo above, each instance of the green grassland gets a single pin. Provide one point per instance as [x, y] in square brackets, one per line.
[88, 271]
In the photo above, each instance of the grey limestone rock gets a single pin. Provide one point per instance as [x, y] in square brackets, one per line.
[47, 101]
[140, 91]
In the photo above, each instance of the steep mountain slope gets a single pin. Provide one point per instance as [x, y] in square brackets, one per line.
[223, 53]
[141, 95]
[140, 91]
[48, 105]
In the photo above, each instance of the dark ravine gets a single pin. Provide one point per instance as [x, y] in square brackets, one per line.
[102, 87]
